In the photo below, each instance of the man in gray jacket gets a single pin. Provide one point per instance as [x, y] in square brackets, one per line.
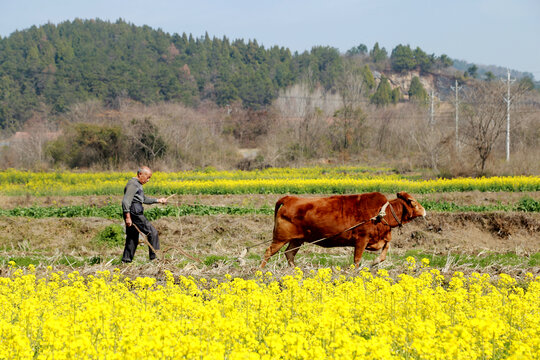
[132, 207]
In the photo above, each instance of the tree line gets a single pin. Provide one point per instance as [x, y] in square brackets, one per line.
[55, 66]
[95, 94]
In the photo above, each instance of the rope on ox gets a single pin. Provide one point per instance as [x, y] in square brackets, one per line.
[380, 216]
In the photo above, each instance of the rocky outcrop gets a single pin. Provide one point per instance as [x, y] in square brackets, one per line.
[439, 84]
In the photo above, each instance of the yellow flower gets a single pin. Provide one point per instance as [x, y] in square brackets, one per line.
[305, 316]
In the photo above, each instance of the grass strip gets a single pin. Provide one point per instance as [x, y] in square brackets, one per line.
[509, 259]
[526, 204]
[481, 261]
[114, 211]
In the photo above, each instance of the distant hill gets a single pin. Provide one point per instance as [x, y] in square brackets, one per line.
[59, 65]
[53, 66]
[498, 71]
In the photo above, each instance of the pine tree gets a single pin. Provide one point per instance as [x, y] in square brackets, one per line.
[383, 94]
[378, 54]
[417, 92]
[402, 58]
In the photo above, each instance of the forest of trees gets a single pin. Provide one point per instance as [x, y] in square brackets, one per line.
[59, 65]
[121, 94]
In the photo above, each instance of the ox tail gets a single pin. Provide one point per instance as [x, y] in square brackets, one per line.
[279, 204]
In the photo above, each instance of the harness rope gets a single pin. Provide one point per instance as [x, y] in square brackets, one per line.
[393, 214]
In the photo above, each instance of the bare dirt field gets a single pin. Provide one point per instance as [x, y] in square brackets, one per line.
[219, 240]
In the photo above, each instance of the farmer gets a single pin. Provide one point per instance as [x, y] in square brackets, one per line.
[134, 215]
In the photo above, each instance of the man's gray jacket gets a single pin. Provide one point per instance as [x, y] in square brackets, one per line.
[134, 197]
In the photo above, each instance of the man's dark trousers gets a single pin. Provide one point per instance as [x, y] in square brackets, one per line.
[132, 237]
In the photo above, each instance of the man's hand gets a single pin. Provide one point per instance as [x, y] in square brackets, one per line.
[128, 220]
[162, 200]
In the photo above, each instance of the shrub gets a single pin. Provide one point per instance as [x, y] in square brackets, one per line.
[84, 145]
[112, 235]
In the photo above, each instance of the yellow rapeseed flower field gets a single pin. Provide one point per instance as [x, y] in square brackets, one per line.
[275, 181]
[326, 314]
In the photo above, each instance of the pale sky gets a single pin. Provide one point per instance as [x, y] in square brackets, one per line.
[487, 32]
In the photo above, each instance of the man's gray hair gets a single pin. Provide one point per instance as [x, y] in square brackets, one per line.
[143, 169]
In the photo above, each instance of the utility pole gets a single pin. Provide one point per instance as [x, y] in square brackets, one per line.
[433, 140]
[431, 109]
[457, 88]
[508, 99]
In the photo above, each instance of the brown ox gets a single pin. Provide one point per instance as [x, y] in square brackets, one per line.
[325, 221]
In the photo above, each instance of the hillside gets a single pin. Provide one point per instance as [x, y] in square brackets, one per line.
[94, 94]
[93, 59]
[498, 71]
[59, 65]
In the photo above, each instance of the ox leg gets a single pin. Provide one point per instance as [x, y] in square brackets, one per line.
[272, 249]
[382, 256]
[292, 249]
[358, 251]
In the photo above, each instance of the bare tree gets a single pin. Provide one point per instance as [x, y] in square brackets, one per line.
[347, 131]
[28, 145]
[431, 134]
[349, 119]
[311, 134]
[352, 85]
[248, 126]
[432, 143]
[484, 116]
[195, 137]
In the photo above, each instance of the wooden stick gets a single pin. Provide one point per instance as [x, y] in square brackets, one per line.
[145, 239]
[184, 253]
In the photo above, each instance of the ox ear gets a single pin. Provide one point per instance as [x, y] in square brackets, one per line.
[405, 197]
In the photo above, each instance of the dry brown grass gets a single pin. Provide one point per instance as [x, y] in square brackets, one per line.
[218, 241]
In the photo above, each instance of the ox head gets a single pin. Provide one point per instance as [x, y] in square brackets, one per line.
[413, 207]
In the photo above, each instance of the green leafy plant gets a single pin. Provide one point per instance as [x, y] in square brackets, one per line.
[112, 235]
[212, 259]
[528, 204]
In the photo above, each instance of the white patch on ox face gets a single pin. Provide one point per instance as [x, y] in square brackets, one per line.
[420, 209]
